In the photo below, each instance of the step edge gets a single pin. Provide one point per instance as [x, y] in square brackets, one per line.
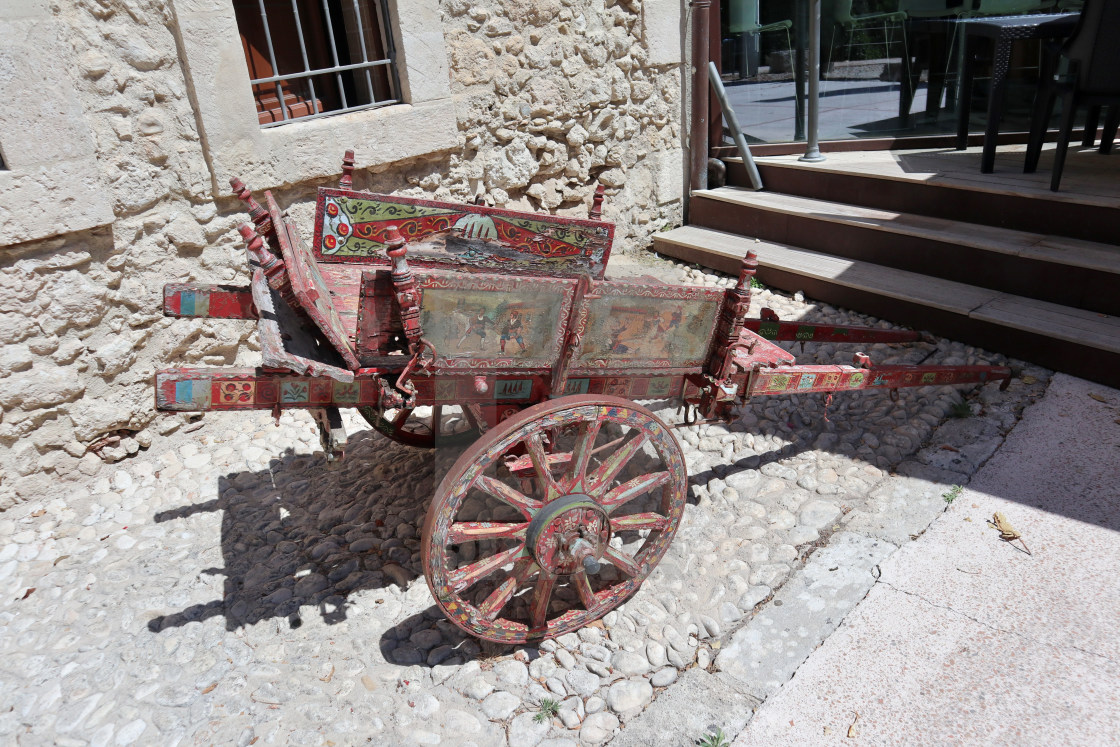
[1028, 249]
[981, 313]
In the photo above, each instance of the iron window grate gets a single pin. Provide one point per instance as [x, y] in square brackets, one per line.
[316, 58]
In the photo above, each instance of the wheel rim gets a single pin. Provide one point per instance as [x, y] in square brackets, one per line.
[414, 426]
[554, 518]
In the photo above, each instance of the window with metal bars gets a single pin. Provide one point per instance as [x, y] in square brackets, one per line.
[315, 58]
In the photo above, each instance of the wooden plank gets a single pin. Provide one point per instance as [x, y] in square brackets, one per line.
[1088, 178]
[208, 301]
[285, 343]
[909, 286]
[1051, 320]
[309, 286]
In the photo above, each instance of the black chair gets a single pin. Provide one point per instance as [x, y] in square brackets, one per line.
[1092, 79]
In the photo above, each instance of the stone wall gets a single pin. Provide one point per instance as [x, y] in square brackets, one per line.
[551, 97]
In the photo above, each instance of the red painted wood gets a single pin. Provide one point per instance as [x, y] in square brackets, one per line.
[308, 285]
[353, 227]
[208, 301]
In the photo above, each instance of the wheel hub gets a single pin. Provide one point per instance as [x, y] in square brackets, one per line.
[569, 534]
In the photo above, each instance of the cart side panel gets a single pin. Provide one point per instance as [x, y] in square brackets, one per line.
[344, 283]
[352, 227]
[286, 343]
[309, 286]
[494, 322]
[380, 334]
[636, 327]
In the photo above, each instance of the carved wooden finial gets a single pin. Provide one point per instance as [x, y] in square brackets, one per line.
[347, 180]
[747, 270]
[597, 203]
[257, 214]
[258, 251]
[395, 242]
[273, 268]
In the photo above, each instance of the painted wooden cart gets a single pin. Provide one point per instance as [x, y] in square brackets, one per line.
[451, 324]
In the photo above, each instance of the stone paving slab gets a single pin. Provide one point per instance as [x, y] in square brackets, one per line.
[968, 639]
[765, 653]
[1055, 480]
[698, 703]
[920, 674]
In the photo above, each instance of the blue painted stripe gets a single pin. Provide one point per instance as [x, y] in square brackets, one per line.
[183, 392]
[186, 304]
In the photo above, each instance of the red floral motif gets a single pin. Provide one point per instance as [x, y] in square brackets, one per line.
[332, 209]
[330, 242]
[343, 229]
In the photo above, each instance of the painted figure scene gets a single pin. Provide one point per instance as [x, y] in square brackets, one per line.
[490, 324]
[645, 329]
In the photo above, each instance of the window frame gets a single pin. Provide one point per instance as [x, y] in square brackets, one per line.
[236, 145]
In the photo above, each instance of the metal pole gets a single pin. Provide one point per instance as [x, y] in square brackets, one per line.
[698, 142]
[812, 150]
[733, 125]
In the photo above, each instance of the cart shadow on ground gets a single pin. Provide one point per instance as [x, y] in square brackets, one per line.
[300, 534]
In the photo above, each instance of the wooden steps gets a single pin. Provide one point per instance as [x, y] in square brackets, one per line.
[1084, 343]
[1058, 269]
[947, 184]
[922, 237]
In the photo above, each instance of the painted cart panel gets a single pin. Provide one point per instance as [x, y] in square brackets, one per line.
[494, 321]
[631, 326]
[352, 226]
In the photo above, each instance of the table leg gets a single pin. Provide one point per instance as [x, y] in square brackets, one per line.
[1001, 61]
[938, 62]
[964, 91]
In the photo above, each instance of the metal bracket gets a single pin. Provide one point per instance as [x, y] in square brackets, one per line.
[332, 434]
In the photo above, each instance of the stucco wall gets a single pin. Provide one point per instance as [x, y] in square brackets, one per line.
[530, 103]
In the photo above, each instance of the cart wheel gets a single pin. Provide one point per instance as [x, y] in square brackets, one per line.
[553, 518]
[414, 426]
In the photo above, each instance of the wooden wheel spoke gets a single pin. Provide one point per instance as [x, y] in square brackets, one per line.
[613, 464]
[622, 561]
[631, 489]
[463, 578]
[471, 418]
[634, 522]
[535, 448]
[542, 595]
[497, 600]
[581, 454]
[469, 531]
[583, 588]
[401, 418]
[508, 495]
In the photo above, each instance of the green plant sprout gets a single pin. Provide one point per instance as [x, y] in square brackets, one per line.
[548, 709]
[952, 494]
[714, 739]
[960, 409]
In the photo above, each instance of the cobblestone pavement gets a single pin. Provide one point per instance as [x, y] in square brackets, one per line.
[223, 586]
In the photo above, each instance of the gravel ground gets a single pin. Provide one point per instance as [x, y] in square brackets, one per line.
[224, 586]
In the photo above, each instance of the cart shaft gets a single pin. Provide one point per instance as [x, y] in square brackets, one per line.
[208, 301]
